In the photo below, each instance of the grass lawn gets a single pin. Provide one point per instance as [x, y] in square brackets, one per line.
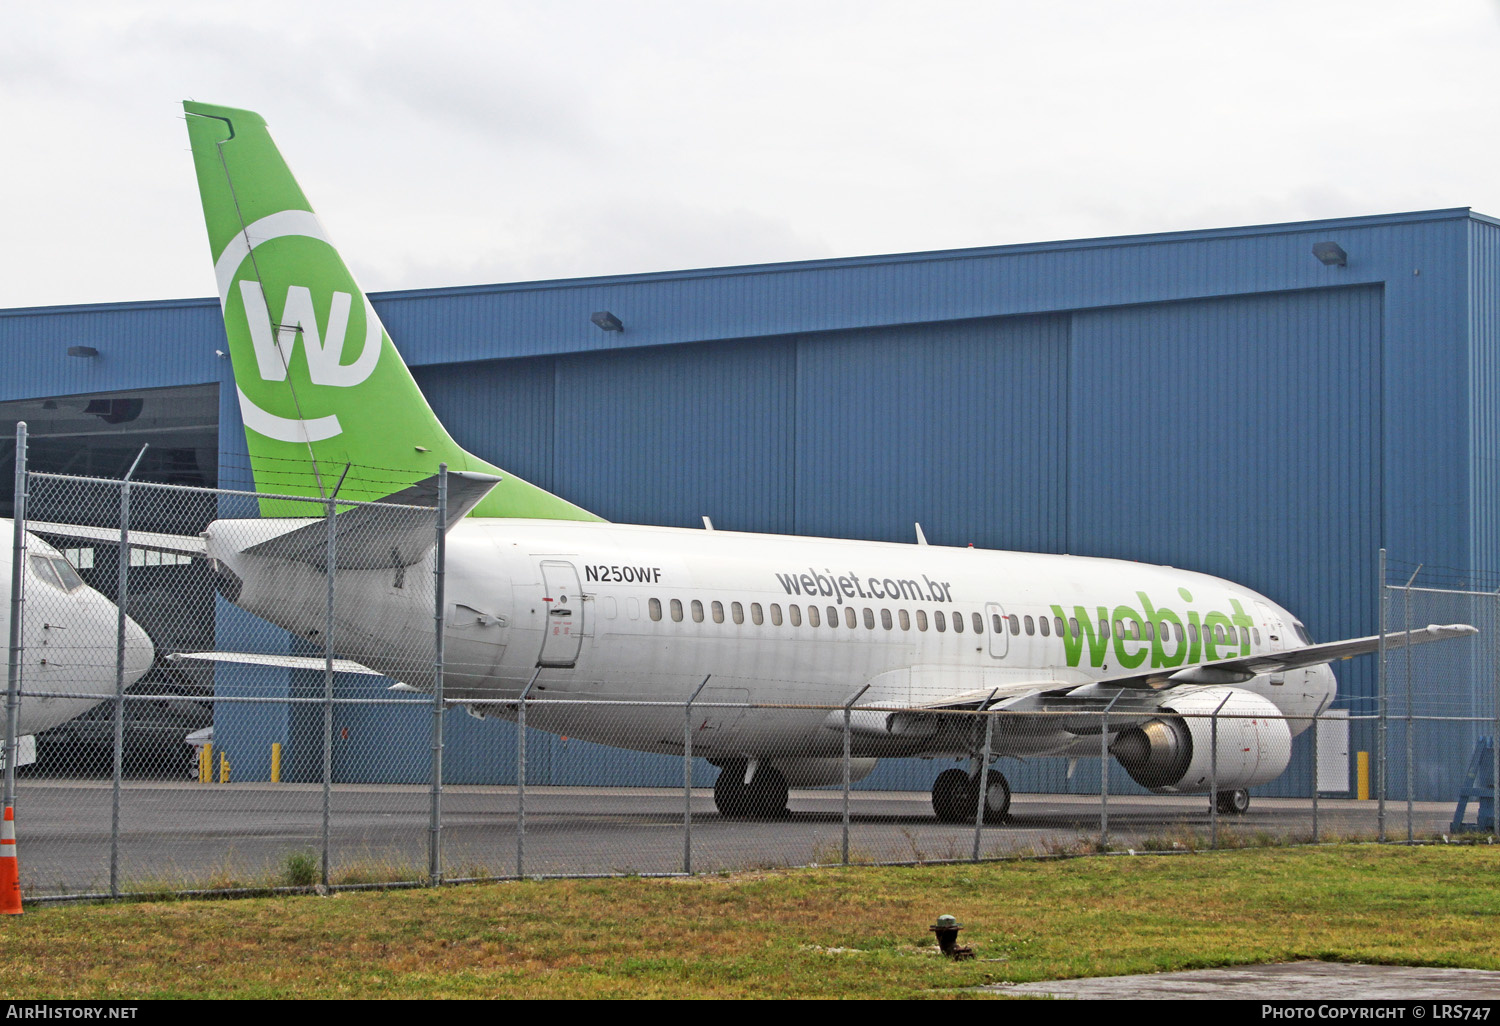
[857, 932]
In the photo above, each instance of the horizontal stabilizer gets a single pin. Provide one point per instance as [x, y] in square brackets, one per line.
[382, 534]
[284, 662]
[182, 545]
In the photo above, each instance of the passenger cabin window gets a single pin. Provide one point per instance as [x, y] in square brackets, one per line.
[812, 621]
[1244, 637]
[677, 615]
[833, 617]
[906, 624]
[1058, 624]
[850, 619]
[1073, 628]
[940, 624]
[958, 622]
[885, 621]
[922, 626]
[1015, 624]
[718, 609]
[756, 617]
[697, 611]
[869, 619]
[633, 608]
[1254, 633]
[794, 613]
[995, 624]
[1030, 628]
[776, 618]
[654, 608]
[737, 611]
[1045, 624]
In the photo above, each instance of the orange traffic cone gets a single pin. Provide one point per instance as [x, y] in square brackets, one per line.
[10, 873]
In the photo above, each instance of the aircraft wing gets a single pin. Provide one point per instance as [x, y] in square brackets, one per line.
[1224, 671]
[285, 662]
[371, 537]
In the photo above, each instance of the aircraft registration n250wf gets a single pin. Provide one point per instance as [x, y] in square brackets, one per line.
[543, 593]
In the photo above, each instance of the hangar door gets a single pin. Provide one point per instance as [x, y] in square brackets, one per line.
[1237, 436]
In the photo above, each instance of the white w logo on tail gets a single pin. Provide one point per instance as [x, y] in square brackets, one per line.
[324, 354]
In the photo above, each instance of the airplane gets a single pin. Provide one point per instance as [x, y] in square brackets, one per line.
[68, 639]
[548, 601]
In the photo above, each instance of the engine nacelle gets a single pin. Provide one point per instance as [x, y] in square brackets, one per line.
[1173, 753]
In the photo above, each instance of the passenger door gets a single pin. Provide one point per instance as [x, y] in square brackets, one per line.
[563, 599]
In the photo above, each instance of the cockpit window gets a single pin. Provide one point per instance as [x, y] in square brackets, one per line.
[57, 572]
[42, 567]
[70, 578]
[1302, 632]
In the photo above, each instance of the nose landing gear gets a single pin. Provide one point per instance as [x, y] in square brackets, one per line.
[1233, 803]
[955, 797]
[763, 798]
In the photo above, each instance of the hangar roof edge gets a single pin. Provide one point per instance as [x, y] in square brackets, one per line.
[784, 267]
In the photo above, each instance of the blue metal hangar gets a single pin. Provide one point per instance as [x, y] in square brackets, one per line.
[1271, 404]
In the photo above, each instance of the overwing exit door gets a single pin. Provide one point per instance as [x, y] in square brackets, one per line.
[563, 600]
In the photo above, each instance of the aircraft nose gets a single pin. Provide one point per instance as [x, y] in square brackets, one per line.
[139, 652]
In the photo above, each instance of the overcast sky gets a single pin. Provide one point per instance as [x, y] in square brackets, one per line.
[455, 143]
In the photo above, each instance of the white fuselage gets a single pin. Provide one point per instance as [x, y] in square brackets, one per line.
[645, 614]
[68, 638]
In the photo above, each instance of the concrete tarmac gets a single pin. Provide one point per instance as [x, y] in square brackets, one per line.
[181, 834]
[1282, 982]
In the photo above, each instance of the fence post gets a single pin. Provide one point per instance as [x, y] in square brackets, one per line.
[435, 812]
[848, 706]
[1316, 750]
[521, 775]
[984, 773]
[1104, 773]
[330, 567]
[1213, 778]
[687, 778]
[1382, 710]
[1411, 778]
[13, 671]
[122, 576]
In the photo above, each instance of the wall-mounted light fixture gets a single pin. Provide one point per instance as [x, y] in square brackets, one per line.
[606, 321]
[83, 351]
[1331, 253]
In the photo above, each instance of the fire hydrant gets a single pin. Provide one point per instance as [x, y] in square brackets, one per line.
[947, 929]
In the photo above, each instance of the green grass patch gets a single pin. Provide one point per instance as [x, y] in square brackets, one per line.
[855, 932]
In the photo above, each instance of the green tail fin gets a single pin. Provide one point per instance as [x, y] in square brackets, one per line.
[321, 386]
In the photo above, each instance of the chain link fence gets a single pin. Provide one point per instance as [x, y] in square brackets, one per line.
[191, 746]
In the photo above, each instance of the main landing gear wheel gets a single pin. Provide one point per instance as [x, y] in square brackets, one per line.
[948, 792]
[955, 797]
[763, 798]
[1233, 803]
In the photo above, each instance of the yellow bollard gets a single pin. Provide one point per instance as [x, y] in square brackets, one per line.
[223, 768]
[206, 759]
[275, 762]
[1362, 768]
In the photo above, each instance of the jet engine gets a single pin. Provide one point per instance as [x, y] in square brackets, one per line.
[1173, 752]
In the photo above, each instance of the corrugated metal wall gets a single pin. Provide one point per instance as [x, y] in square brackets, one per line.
[1217, 400]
